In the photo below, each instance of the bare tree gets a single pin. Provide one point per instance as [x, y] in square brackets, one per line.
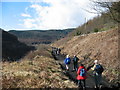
[113, 8]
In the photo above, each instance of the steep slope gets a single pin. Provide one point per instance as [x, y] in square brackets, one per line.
[40, 36]
[102, 46]
[12, 49]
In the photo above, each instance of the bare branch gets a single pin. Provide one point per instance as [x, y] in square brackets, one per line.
[113, 8]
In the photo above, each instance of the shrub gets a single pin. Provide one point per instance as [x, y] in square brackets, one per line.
[78, 33]
[96, 30]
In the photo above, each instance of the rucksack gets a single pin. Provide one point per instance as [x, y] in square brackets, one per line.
[67, 61]
[99, 69]
[82, 72]
[75, 59]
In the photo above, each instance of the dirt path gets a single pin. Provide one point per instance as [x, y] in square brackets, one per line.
[72, 74]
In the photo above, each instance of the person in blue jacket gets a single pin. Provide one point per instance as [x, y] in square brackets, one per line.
[67, 61]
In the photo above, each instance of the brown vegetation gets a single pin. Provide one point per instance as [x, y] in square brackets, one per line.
[37, 70]
[97, 24]
[102, 46]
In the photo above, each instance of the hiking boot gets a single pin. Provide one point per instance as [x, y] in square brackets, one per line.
[67, 69]
[100, 86]
[96, 87]
[79, 86]
[84, 88]
[73, 70]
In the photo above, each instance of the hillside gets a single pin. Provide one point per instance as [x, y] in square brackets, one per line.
[97, 24]
[40, 36]
[36, 70]
[102, 46]
[12, 49]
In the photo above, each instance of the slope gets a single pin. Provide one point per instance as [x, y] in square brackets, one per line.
[102, 46]
[12, 49]
[36, 70]
[97, 24]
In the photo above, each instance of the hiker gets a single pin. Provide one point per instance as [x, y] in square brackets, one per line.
[97, 72]
[81, 76]
[67, 62]
[75, 62]
[58, 51]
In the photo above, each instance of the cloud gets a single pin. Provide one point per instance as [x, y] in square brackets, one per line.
[25, 15]
[57, 14]
[29, 23]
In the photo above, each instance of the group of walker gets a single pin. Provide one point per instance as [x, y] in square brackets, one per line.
[81, 71]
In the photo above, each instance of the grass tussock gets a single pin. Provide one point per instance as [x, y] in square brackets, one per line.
[37, 70]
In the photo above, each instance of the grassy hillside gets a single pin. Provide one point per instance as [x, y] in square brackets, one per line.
[97, 24]
[40, 36]
[36, 70]
[102, 46]
[96, 39]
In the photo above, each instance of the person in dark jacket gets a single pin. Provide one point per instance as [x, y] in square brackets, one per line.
[97, 72]
[81, 76]
[75, 62]
[58, 51]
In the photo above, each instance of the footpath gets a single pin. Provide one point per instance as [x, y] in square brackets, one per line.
[72, 74]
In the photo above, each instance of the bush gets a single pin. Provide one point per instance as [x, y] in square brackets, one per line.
[78, 33]
[96, 30]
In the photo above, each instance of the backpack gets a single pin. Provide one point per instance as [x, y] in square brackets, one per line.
[99, 69]
[67, 61]
[82, 72]
[75, 59]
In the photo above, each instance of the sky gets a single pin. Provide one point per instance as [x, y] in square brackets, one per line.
[44, 14]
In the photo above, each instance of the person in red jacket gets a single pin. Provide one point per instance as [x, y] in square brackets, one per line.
[81, 76]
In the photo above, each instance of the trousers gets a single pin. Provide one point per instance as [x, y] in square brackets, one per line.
[81, 83]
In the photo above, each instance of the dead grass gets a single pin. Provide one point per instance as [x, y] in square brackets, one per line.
[37, 70]
[102, 46]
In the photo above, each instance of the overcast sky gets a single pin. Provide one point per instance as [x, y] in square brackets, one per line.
[44, 14]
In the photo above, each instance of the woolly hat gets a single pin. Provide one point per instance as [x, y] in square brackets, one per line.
[67, 56]
[96, 61]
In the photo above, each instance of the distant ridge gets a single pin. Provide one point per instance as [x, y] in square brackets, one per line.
[41, 36]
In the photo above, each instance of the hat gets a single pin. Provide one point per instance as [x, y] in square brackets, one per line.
[95, 61]
[67, 56]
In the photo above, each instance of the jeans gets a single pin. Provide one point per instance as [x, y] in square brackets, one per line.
[75, 66]
[97, 78]
[81, 83]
